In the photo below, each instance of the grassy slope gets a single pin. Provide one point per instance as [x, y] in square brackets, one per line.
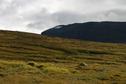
[34, 59]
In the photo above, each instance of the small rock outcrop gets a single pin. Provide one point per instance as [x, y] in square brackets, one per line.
[81, 66]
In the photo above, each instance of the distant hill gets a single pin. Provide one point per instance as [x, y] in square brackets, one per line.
[93, 31]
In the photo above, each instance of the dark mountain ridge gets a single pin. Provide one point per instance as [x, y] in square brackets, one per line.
[94, 31]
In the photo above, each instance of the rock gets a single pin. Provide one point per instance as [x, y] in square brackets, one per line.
[83, 64]
[2, 75]
[31, 63]
[40, 66]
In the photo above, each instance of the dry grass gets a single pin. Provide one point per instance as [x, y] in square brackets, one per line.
[34, 59]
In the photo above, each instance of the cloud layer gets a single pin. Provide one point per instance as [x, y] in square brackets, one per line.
[39, 15]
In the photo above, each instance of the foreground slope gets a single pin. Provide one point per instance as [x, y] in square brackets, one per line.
[94, 31]
[34, 59]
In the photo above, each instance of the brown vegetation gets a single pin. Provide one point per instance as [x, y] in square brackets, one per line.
[34, 59]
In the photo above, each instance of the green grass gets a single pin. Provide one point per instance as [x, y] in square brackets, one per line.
[27, 58]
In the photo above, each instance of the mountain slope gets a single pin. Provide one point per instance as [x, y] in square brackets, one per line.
[93, 31]
[27, 58]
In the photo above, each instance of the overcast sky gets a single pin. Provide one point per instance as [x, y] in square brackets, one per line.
[38, 15]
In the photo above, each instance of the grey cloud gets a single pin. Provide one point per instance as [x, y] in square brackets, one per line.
[110, 15]
[66, 17]
[39, 15]
[41, 20]
[120, 1]
[50, 20]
